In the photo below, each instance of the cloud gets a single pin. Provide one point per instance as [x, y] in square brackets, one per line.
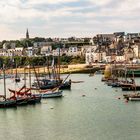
[100, 2]
[34, 2]
[65, 17]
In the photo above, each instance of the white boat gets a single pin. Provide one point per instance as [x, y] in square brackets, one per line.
[52, 94]
[134, 98]
[49, 93]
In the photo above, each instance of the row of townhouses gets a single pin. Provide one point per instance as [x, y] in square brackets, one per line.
[117, 47]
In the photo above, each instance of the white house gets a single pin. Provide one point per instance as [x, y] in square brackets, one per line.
[57, 52]
[74, 51]
[120, 58]
[136, 50]
[46, 50]
[30, 51]
[90, 55]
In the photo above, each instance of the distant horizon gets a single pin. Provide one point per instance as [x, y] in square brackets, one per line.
[24, 37]
[66, 18]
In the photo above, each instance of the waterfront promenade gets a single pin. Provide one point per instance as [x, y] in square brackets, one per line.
[77, 68]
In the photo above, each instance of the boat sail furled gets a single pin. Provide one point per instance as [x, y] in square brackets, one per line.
[107, 72]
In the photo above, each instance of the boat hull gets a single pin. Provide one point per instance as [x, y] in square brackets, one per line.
[34, 99]
[131, 88]
[54, 94]
[134, 99]
[22, 101]
[8, 104]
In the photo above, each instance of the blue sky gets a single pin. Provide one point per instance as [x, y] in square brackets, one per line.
[65, 18]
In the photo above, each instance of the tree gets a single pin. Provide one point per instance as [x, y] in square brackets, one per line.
[38, 39]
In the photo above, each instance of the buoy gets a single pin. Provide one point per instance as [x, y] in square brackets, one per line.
[119, 98]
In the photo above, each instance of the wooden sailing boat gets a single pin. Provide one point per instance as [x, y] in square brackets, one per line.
[25, 97]
[49, 93]
[56, 81]
[6, 102]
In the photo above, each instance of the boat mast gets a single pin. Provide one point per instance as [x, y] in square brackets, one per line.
[4, 81]
[48, 67]
[59, 63]
[30, 75]
[36, 77]
[25, 78]
[16, 70]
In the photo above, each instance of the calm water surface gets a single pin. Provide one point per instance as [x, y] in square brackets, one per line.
[97, 116]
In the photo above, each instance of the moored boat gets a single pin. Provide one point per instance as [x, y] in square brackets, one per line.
[51, 84]
[6, 102]
[50, 93]
[130, 87]
[132, 97]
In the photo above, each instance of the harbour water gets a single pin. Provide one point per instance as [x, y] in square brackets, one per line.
[99, 115]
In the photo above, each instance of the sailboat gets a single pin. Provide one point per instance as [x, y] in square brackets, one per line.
[54, 80]
[6, 102]
[24, 95]
[49, 93]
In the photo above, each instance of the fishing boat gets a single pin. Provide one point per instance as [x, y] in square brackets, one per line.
[132, 97]
[130, 86]
[50, 84]
[135, 72]
[50, 93]
[24, 97]
[54, 80]
[121, 83]
[6, 102]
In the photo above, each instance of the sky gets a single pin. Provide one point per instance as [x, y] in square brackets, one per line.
[66, 18]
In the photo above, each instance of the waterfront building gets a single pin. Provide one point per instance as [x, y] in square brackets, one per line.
[130, 36]
[58, 51]
[90, 55]
[129, 53]
[120, 58]
[85, 48]
[74, 51]
[136, 50]
[105, 37]
[3, 52]
[46, 50]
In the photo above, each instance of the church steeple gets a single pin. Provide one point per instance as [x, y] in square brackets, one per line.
[27, 34]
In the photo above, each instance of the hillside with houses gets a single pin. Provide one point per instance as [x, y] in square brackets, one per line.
[103, 48]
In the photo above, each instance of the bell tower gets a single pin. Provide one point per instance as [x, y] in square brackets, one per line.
[27, 34]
